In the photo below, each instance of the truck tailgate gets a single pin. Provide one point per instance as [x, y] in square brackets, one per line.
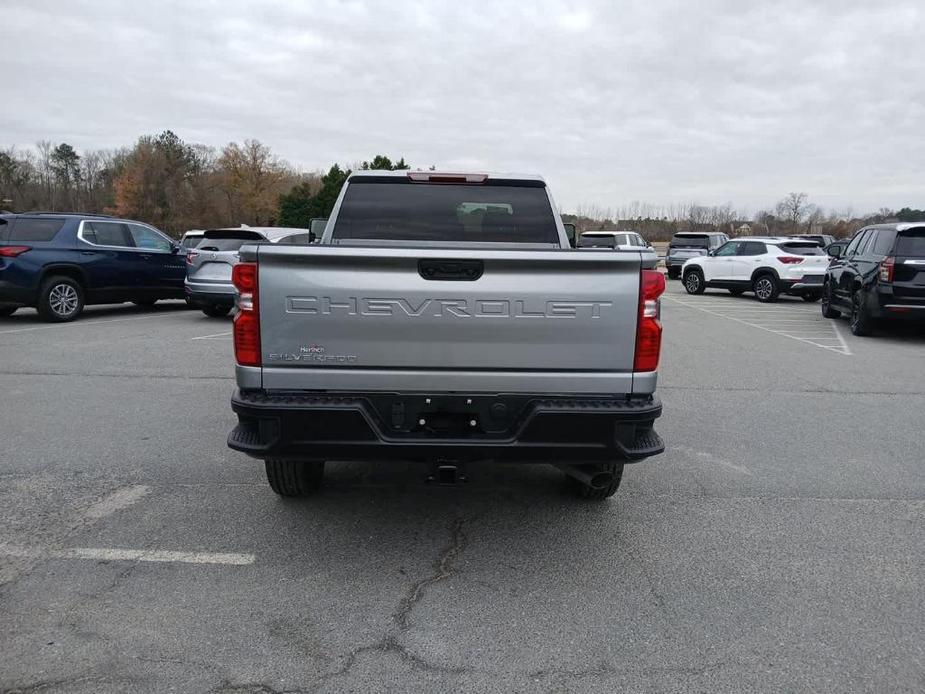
[359, 318]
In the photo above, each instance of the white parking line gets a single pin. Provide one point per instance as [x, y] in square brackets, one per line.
[118, 500]
[104, 554]
[799, 332]
[211, 337]
[86, 323]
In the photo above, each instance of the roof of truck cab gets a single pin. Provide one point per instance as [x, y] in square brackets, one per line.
[401, 173]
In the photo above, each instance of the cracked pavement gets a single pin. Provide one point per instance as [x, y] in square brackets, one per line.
[778, 545]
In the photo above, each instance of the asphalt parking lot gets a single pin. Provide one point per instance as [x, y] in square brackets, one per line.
[777, 545]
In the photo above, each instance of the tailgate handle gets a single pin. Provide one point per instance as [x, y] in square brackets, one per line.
[453, 270]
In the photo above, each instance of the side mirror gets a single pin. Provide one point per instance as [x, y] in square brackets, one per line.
[174, 248]
[570, 231]
[711, 253]
[834, 251]
[312, 237]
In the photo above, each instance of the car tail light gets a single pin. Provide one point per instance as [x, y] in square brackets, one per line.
[191, 256]
[886, 269]
[649, 327]
[13, 251]
[790, 259]
[247, 321]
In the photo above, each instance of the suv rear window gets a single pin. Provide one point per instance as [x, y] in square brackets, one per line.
[911, 243]
[34, 229]
[230, 240]
[802, 248]
[690, 241]
[497, 212]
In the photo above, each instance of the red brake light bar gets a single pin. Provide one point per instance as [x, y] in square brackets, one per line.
[886, 269]
[428, 177]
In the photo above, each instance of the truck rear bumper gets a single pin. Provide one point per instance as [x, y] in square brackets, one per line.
[417, 426]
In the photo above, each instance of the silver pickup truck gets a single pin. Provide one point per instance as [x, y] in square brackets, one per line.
[445, 318]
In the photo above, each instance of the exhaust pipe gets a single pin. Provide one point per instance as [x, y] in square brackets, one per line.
[599, 479]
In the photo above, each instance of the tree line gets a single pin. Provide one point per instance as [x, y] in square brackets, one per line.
[792, 214]
[172, 184]
[176, 185]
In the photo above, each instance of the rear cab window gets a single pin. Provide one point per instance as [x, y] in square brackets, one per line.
[393, 208]
[34, 229]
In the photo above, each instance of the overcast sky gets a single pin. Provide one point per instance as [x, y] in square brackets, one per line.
[657, 101]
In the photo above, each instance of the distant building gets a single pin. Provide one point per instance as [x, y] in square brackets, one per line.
[743, 230]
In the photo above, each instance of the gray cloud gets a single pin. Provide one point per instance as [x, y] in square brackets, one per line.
[659, 101]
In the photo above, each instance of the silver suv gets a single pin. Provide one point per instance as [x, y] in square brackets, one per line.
[208, 265]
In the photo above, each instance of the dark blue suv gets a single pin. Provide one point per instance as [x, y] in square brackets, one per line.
[60, 262]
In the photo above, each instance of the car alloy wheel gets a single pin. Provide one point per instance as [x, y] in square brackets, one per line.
[692, 282]
[63, 300]
[764, 288]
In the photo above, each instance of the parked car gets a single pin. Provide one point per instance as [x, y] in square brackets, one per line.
[612, 239]
[191, 238]
[686, 244]
[824, 240]
[208, 266]
[419, 330]
[60, 262]
[880, 276]
[766, 266]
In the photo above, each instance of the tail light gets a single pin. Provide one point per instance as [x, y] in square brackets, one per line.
[191, 256]
[886, 269]
[649, 327]
[247, 321]
[790, 259]
[13, 251]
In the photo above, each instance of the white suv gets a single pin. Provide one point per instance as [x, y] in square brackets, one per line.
[766, 266]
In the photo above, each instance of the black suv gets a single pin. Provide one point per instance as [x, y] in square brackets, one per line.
[880, 275]
[58, 262]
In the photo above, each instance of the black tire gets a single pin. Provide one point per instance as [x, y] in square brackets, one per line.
[694, 282]
[737, 292]
[809, 298]
[585, 491]
[860, 323]
[146, 303]
[7, 311]
[294, 477]
[766, 288]
[216, 310]
[674, 273]
[827, 310]
[61, 299]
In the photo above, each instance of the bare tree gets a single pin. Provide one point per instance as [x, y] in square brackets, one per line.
[792, 209]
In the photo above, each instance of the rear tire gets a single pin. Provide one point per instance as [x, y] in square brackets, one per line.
[216, 310]
[827, 310]
[8, 311]
[585, 491]
[766, 288]
[294, 477]
[693, 282]
[861, 323]
[61, 299]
